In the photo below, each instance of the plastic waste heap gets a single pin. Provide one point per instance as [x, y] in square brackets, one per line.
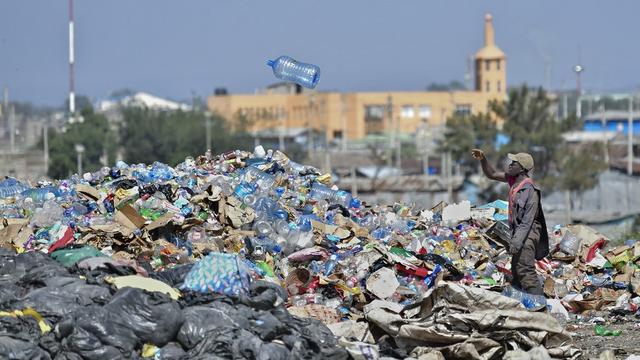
[239, 239]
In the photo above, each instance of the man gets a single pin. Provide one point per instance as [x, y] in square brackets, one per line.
[529, 238]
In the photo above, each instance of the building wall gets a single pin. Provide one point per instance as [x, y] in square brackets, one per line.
[337, 113]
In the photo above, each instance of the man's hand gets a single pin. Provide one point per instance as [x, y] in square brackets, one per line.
[477, 154]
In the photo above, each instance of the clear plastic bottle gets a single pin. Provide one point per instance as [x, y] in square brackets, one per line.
[243, 189]
[160, 172]
[288, 69]
[265, 181]
[490, 269]
[330, 265]
[263, 229]
[40, 195]
[530, 301]
[322, 192]
[11, 187]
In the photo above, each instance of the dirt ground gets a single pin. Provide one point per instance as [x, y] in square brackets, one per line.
[592, 345]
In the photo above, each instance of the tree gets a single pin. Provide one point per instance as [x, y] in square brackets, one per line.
[580, 168]
[531, 127]
[96, 136]
[463, 133]
[169, 136]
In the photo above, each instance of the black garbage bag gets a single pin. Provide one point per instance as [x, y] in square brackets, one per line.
[26, 326]
[119, 329]
[91, 336]
[98, 276]
[153, 317]
[24, 272]
[172, 351]
[14, 348]
[201, 320]
[9, 294]
[274, 351]
[173, 277]
[264, 295]
[194, 298]
[62, 296]
[269, 327]
[50, 343]
[311, 339]
[227, 343]
[35, 266]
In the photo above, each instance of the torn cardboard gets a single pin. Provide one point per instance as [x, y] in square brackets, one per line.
[129, 217]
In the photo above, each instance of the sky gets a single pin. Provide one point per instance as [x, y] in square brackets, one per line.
[176, 49]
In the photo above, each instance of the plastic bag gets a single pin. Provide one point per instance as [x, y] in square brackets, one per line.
[14, 348]
[200, 320]
[70, 257]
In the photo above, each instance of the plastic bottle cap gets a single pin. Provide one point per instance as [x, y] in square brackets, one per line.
[271, 62]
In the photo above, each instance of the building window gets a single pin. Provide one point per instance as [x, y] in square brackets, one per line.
[487, 64]
[374, 112]
[487, 86]
[425, 111]
[407, 112]
[463, 109]
[337, 134]
[373, 119]
[498, 64]
[499, 86]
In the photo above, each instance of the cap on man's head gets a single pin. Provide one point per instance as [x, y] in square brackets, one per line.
[524, 159]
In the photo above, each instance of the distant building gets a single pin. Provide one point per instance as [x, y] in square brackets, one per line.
[612, 121]
[359, 114]
[144, 100]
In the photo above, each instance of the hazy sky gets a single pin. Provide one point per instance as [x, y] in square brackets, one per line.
[175, 48]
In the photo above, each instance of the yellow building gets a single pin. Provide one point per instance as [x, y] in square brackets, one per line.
[358, 114]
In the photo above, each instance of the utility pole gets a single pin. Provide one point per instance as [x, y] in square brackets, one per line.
[606, 151]
[310, 127]
[343, 117]
[45, 137]
[630, 137]
[5, 107]
[604, 133]
[397, 142]
[207, 125]
[449, 180]
[280, 115]
[12, 129]
[72, 95]
[390, 132]
[79, 151]
[578, 70]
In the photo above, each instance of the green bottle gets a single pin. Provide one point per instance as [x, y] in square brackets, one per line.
[603, 331]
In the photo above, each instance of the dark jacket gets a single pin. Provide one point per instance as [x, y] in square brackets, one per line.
[527, 212]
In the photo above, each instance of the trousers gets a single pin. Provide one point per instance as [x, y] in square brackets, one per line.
[523, 264]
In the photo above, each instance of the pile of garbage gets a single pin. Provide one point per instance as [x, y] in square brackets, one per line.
[252, 255]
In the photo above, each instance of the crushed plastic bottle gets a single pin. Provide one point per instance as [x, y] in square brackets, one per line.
[288, 69]
[569, 243]
[529, 301]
